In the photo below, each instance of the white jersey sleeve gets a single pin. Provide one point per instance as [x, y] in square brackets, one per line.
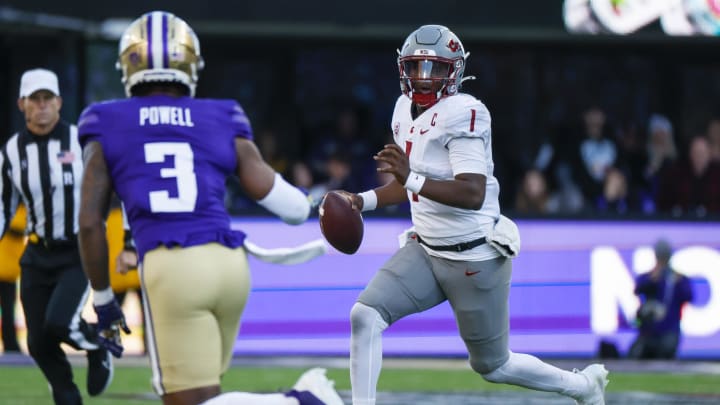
[467, 136]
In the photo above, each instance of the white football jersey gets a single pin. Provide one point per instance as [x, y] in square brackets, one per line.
[451, 137]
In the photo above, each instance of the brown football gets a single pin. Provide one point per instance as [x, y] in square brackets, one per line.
[341, 225]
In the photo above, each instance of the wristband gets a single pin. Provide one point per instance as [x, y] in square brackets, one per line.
[369, 200]
[414, 182]
[102, 297]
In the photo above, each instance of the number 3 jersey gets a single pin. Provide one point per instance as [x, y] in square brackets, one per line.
[168, 159]
[451, 137]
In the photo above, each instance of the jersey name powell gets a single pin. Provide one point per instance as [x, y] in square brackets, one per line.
[166, 115]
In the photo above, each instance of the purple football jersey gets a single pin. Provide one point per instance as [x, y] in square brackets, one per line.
[168, 158]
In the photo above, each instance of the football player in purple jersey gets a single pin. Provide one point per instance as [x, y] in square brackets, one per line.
[167, 155]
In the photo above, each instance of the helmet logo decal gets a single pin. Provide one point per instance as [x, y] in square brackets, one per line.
[453, 45]
[177, 55]
[135, 58]
[396, 129]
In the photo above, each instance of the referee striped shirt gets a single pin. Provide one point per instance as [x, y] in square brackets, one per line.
[46, 173]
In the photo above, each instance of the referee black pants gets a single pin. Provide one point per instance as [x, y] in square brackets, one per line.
[53, 291]
[8, 295]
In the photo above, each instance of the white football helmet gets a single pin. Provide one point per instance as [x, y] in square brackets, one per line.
[431, 64]
[159, 47]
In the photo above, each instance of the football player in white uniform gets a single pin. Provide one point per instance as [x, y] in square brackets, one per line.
[442, 161]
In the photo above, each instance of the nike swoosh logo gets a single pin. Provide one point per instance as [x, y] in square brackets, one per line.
[424, 132]
[471, 273]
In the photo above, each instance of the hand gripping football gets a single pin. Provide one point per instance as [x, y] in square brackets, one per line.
[340, 224]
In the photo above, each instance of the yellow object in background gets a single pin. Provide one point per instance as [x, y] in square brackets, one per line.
[12, 246]
[115, 232]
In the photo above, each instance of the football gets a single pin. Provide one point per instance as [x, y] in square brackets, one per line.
[340, 224]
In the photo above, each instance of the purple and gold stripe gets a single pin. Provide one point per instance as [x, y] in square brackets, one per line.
[149, 30]
[157, 49]
[166, 63]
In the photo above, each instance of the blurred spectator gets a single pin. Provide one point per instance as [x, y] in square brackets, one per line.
[661, 154]
[713, 134]
[632, 155]
[663, 293]
[301, 177]
[691, 185]
[661, 149]
[567, 197]
[596, 154]
[555, 156]
[532, 197]
[614, 199]
[347, 137]
[339, 174]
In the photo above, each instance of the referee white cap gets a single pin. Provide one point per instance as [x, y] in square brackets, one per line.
[38, 79]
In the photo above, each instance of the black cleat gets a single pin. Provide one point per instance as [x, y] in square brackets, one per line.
[99, 372]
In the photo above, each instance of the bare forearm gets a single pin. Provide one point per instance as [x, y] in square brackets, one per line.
[94, 255]
[94, 206]
[391, 193]
[458, 192]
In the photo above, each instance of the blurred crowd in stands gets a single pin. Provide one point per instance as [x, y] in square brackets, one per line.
[580, 128]
[591, 168]
[597, 169]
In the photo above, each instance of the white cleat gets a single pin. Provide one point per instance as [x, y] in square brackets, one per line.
[597, 376]
[315, 381]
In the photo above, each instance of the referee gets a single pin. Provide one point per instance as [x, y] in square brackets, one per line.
[42, 165]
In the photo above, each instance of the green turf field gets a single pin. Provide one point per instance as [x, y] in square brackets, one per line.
[24, 385]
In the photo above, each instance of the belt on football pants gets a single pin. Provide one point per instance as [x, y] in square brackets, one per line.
[34, 239]
[459, 247]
